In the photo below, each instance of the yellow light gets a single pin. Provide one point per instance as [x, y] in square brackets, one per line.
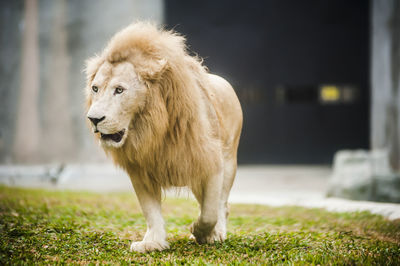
[330, 93]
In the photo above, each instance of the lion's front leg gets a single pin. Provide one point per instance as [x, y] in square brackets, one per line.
[210, 227]
[155, 237]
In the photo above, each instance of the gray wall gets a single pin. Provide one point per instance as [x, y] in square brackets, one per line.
[385, 98]
[43, 47]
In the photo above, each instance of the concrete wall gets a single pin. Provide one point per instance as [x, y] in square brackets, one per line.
[11, 14]
[385, 74]
[43, 47]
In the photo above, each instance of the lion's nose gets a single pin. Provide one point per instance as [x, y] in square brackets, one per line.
[95, 121]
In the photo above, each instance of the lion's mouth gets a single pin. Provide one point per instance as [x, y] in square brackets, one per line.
[116, 137]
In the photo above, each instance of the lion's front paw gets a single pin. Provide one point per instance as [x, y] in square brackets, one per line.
[218, 233]
[148, 246]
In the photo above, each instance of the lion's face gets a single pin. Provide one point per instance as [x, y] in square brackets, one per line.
[116, 94]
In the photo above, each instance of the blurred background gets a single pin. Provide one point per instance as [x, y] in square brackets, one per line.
[313, 77]
[44, 44]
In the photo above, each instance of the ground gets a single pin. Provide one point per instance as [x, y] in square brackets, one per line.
[75, 227]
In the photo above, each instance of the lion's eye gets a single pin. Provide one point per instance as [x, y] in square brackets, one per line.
[95, 88]
[118, 90]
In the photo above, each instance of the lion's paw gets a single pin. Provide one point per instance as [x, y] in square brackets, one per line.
[148, 246]
[218, 234]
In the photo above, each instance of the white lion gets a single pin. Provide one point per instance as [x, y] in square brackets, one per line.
[168, 123]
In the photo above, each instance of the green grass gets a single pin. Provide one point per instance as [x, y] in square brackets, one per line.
[38, 226]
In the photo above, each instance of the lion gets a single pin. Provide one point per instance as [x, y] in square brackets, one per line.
[167, 122]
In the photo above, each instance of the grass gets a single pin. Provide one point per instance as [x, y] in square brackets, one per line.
[38, 226]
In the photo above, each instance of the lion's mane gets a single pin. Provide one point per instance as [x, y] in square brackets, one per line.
[173, 140]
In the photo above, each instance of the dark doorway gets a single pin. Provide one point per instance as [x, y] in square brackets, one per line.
[300, 69]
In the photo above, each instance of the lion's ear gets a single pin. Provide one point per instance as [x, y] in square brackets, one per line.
[152, 70]
[91, 66]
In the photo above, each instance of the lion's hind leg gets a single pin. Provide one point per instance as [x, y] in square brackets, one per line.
[219, 231]
[230, 166]
[209, 198]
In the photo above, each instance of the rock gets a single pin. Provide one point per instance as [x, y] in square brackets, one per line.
[364, 175]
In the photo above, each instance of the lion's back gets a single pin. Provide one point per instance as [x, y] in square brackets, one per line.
[227, 106]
